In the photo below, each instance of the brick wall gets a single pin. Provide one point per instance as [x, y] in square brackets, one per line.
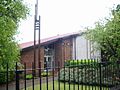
[63, 51]
[27, 57]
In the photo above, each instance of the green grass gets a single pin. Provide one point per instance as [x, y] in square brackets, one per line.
[50, 85]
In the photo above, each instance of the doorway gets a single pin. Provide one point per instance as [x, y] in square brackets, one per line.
[48, 56]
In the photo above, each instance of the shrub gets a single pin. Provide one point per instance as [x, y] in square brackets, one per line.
[91, 75]
[85, 75]
[3, 77]
[45, 73]
[29, 76]
[82, 63]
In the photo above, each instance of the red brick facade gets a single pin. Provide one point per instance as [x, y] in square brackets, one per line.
[62, 48]
[27, 57]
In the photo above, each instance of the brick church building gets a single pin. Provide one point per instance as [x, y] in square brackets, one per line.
[58, 48]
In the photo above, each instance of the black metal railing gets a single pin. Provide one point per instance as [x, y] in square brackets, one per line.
[75, 75]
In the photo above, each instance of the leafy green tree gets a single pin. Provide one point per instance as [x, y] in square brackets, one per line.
[107, 36]
[11, 12]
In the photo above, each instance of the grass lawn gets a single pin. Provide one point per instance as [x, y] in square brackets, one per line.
[50, 87]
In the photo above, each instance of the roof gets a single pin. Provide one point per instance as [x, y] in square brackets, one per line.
[50, 39]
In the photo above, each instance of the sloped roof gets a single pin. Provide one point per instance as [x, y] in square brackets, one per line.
[50, 39]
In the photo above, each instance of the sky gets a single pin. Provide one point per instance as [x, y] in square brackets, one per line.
[63, 16]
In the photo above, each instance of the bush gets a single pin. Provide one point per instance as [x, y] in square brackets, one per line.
[3, 77]
[29, 76]
[86, 76]
[82, 63]
[91, 75]
[45, 73]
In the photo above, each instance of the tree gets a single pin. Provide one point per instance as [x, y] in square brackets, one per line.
[107, 36]
[11, 12]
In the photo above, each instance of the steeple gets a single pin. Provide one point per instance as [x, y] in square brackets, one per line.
[36, 31]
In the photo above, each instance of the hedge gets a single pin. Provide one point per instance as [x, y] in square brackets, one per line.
[82, 63]
[3, 77]
[86, 76]
[89, 73]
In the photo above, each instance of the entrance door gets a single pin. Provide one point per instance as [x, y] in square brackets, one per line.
[48, 61]
[48, 56]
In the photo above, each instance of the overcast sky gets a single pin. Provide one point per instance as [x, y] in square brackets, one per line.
[64, 16]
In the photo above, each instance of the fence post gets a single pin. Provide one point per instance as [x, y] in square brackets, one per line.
[7, 78]
[100, 76]
[25, 76]
[78, 73]
[17, 77]
[40, 75]
[118, 70]
[17, 80]
[64, 76]
[47, 75]
[74, 74]
[69, 75]
[58, 75]
[33, 74]
[53, 73]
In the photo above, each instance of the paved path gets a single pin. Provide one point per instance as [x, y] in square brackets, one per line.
[116, 88]
[28, 82]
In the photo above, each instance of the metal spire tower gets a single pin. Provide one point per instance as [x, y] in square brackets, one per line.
[36, 40]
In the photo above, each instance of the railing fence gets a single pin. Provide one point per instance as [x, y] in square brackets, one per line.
[75, 75]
